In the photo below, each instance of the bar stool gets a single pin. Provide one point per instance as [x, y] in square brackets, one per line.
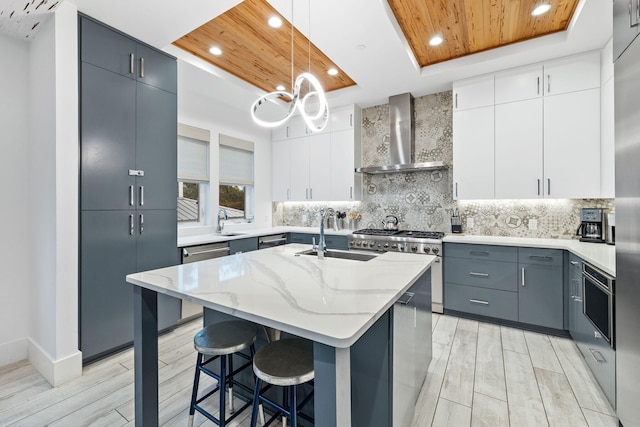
[285, 363]
[222, 341]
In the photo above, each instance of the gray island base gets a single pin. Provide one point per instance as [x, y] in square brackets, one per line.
[370, 322]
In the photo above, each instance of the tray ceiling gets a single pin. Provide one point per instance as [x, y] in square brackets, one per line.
[472, 26]
[258, 53]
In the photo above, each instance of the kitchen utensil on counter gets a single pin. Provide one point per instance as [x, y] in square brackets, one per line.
[456, 222]
[593, 225]
[390, 223]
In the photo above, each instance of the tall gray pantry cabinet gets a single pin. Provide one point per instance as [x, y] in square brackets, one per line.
[128, 189]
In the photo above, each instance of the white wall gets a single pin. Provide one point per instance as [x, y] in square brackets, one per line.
[15, 251]
[53, 185]
[199, 107]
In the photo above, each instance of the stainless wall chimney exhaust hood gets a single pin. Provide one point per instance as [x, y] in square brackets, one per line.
[401, 142]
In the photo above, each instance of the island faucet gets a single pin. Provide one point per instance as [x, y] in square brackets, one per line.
[224, 216]
[324, 213]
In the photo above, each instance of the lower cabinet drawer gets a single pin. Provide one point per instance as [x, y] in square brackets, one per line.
[482, 273]
[481, 301]
[601, 359]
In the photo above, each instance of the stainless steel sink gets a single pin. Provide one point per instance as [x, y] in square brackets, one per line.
[355, 256]
[232, 234]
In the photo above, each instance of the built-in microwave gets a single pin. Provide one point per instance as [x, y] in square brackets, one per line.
[598, 300]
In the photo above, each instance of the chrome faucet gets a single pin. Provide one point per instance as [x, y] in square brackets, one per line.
[322, 247]
[224, 216]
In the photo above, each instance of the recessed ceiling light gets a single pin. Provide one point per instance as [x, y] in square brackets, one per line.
[332, 72]
[280, 88]
[275, 22]
[435, 40]
[540, 9]
[215, 50]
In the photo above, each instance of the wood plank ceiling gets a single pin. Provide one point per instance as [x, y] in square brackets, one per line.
[472, 26]
[258, 53]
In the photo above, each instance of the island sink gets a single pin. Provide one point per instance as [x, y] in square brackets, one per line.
[354, 256]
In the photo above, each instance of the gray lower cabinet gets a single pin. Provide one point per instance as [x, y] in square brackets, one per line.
[540, 290]
[517, 284]
[575, 296]
[302, 238]
[243, 245]
[332, 241]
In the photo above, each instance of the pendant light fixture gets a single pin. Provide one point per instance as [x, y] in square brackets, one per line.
[313, 106]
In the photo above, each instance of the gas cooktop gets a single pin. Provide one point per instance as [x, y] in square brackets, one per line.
[437, 235]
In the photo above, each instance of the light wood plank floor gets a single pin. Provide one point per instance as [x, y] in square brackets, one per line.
[481, 375]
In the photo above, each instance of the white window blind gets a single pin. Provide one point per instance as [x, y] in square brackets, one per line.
[236, 161]
[193, 159]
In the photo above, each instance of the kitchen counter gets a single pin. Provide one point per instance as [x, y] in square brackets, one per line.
[598, 254]
[333, 302]
[205, 238]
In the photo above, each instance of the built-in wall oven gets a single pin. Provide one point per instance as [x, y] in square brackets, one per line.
[598, 300]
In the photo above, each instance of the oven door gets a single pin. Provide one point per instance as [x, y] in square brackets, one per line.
[597, 305]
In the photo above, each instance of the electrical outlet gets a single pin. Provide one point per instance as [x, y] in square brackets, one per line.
[533, 224]
[470, 222]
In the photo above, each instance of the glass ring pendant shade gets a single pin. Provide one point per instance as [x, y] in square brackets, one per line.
[315, 120]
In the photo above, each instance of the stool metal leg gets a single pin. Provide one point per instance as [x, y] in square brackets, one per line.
[256, 403]
[231, 408]
[194, 393]
[223, 393]
[293, 406]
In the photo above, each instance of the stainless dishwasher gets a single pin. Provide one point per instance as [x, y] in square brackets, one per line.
[272, 240]
[191, 254]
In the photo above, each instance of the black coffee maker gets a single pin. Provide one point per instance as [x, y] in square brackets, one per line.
[593, 225]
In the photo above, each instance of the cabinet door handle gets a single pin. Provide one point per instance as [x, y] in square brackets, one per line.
[538, 187]
[287, 131]
[288, 193]
[131, 226]
[131, 61]
[131, 195]
[141, 67]
[142, 195]
[351, 116]
[483, 253]
[306, 193]
[548, 186]
[538, 90]
[351, 193]
[472, 273]
[311, 193]
[141, 223]
[597, 356]
[456, 189]
[477, 301]
[456, 100]
[541, 258]
[548, 83]
[523, 277]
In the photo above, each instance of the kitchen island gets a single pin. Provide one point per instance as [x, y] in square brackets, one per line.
[353, 311]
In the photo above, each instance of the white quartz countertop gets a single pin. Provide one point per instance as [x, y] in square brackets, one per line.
[205, 238]
[600, 255]
[331, 301]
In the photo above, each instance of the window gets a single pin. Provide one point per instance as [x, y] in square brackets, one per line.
[236, 177]
[193, 174]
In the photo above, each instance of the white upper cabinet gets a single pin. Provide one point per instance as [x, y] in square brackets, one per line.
[519, 84]
[299, 167]
[345, 183]
[473, 160]
[473, 93]
[572, 145]
[578, 72]
[281, 170]
[519, 150]
[343, 118]
[320, 167]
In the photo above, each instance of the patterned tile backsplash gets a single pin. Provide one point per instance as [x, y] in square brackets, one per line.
[424, 200]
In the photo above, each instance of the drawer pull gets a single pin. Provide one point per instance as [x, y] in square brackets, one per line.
[408, 296]
[472, 273]
[541, 258]
[483, 253]
[597, 356]
[575, 263]
[523, 277]
[477, 301]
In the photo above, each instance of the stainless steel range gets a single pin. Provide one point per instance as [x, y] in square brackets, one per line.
[419, 242]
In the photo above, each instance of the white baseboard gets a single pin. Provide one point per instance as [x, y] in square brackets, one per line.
[56, 372]
[12, 352]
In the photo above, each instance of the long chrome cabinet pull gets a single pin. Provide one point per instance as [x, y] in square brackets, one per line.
[131, 226]
[456, 189]
[142, 195]
[549, 186]
[131, 61]
[131, 201]
[351, 193]
[311, 193]
[351, 118]
[207, 251]
[541, 258]
[477, 301]
[538, 187]
[456, 100]
[142, 67]
[548, 83]
[141, 223]
[523, 277]
[483, 253]
[472, 273]
[538, 90]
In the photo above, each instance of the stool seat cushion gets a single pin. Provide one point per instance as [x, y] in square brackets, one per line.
[286, 362]
[225, 337]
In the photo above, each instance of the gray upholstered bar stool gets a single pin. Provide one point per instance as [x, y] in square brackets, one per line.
[221, 341]
[285, 363]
